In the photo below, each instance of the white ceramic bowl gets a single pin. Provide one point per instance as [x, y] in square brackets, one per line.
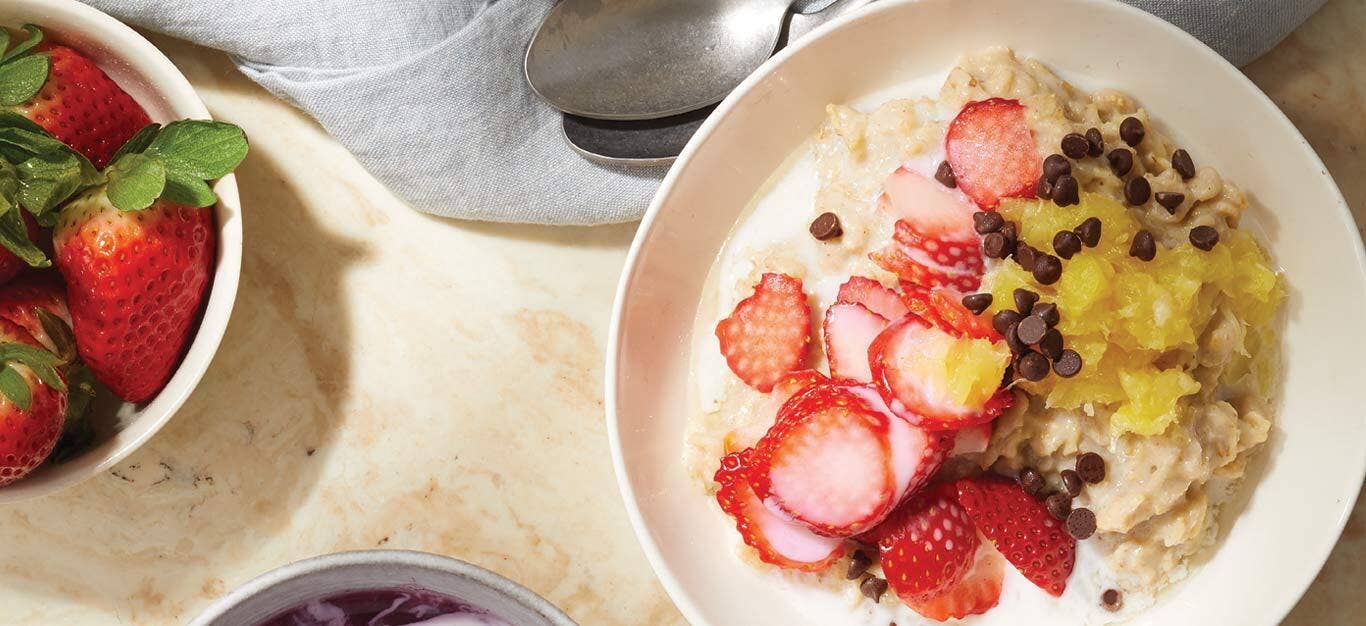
[285, 588]
[146, 74]
[1318, 453]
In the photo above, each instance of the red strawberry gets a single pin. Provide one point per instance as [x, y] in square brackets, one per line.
[873, 296]
[794, 382]
[135, 282]
[11, 265]
[908, 390]
[992, 151]
[912, 267]
[21, 301]
[917, 453]
[978, 591]
[83, 107]
[849, 330]
[1021, 528]
[958, 319]
[926, 545]
[789, 385]
[949, 254]
[779, 542]
[935, 211]
[827, 462]
[767, 334]
[32, 403]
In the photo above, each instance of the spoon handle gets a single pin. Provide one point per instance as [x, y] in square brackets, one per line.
[802, 24]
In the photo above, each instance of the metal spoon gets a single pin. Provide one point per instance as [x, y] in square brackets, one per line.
[658, 141]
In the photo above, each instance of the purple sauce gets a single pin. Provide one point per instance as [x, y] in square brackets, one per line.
[385, 607]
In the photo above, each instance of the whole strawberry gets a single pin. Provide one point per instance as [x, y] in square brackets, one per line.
[33, 402]
[65, 93]
[137, 253]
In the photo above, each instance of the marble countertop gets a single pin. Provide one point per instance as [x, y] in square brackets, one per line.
[373, 390]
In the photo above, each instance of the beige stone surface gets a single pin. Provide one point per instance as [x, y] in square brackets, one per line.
[395, 380]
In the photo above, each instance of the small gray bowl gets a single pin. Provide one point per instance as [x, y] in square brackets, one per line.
[282, 589]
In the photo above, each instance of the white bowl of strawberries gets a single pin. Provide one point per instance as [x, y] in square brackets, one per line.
[120, 242]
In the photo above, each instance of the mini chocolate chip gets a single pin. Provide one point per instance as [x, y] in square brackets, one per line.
[1056, 165]
[1047, 269]
[859, 562]
[977, 302]
[1051, 344]
[1169, 200]
[1046, 311]
[1066, 243]
[1065, 191]
[1011, 231]
[994, 246]
[1031, 330]
[826, 226]
[1071, 482]
[1121, 161]
[944, 174]
[1112, 600]
[1075, 146]
[1131, 131]
[1204, 237]
[1025, 255]
[1008, 377]
[987, 222]
[1032, 366]
[1089, 231]
[1003, 320]
[1143, 247]
[1137, 191]
[1182, 163]
[1016, 346]
[1059, 505]
[1081, 524]
[873, 588]
[1095, 142]
[1024, 300]
[1032, 483]
[1091, 467]
[1068, 364]
[1043, 189]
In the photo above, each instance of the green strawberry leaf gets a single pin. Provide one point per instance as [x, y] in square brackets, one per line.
[13, 385]
[188, 190]
[4, 41]
[35, 37]
[77, 432]
[203, 149]
[138, 142]
[48, 180]
[12, 119]
[59, 332]
[42, 362]
[135, 182]
[14, 237]
[20, 79]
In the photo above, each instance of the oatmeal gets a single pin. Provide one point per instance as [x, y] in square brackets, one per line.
[1016, 296]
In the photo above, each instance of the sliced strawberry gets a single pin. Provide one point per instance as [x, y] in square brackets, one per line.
[900, 359]
[779, 541]
[1021, 528]
[971, 440]
[935, 211]
[827, 462]
[917, 300]
[978, 591]
[912, 267]
[959, 320]
[849, 330]
[962, 256]
[917, 453]
[789, 385]
[873, 296]
[927, 544]
[992, 151]
[793, 382]
[766, 336]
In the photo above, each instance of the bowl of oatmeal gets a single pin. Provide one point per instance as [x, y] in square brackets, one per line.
[939, 270]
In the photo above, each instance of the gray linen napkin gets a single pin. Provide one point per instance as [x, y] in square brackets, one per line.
[429, 94]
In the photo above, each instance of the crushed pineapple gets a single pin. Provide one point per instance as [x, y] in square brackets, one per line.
[970, 369]
[1137, 325]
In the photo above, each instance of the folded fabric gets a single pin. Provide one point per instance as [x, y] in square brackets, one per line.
[429, 94]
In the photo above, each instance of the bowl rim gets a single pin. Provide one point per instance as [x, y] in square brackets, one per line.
[170, 83]
[680, 597]
[363, 558]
